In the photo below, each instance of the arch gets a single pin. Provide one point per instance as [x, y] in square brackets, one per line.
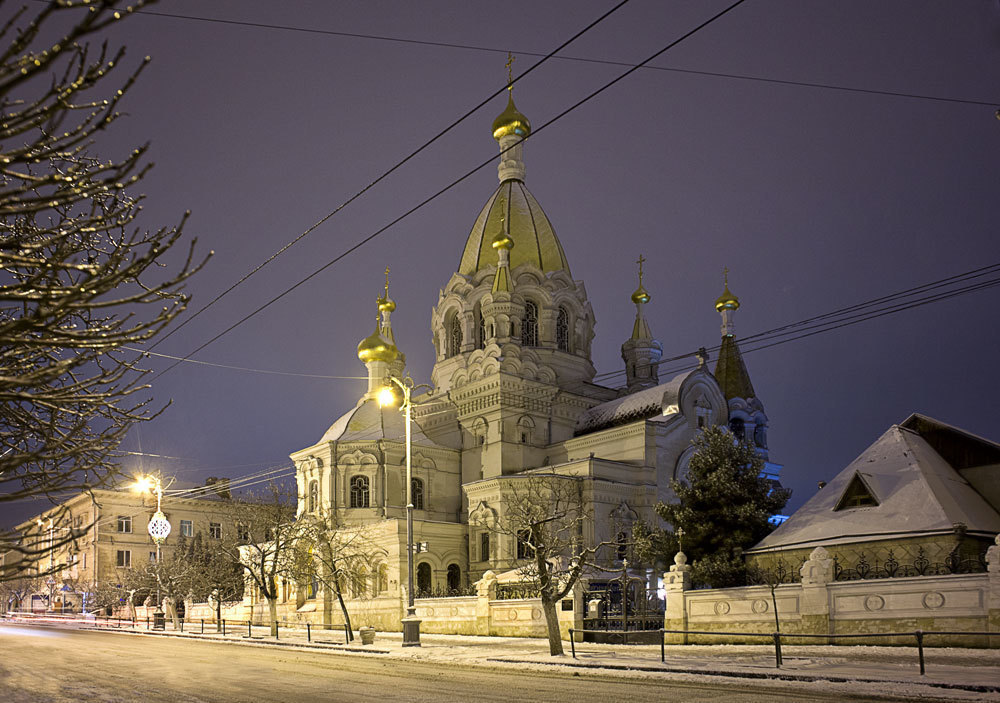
[529, 328]
[359, 492]
[313, 496]
[562, 329]
[454, 577]
[424, 577]
[380, 579]
[480, 326]
[454, 336]
[525, 429]
[417, 493]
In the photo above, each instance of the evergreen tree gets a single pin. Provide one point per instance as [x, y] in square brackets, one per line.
[723, 508]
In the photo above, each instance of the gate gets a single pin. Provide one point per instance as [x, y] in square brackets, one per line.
[617, 611]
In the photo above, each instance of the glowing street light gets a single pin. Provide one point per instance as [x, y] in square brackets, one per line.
[158, 527]
[386, 397]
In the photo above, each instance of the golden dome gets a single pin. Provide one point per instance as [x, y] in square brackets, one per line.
[375, 347]
[727, 300]
[641, 295]
[386, 304]
[510, 121]
[503, 241]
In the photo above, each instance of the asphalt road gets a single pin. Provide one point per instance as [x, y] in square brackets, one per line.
[43, 665]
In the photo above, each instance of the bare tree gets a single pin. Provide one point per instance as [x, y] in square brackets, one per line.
[13, 592]
[266, 550]
[546, 516]
[330, 553]
[215, 575]
[82, 283]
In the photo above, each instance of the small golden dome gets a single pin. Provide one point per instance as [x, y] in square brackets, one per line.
[727, 300]
[510, 121]
[503, 241]
[641, 295]
[386, 304]
[375, 347]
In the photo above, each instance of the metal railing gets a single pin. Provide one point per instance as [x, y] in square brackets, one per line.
[776, 637]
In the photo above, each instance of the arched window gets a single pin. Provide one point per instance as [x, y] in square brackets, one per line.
[738, 429]
[760, 436]
[454, 577]
[480, 328]
[417, 492]
[381, 580]
[454, 336]
[359, 491]
[358, 588]
[562, 330]
[313, 496]
[529, 330]
[424, 577]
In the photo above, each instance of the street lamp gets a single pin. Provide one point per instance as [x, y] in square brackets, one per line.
[50, 581]
[158, 527]
[386, 396]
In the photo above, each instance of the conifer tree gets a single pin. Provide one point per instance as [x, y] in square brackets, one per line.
[723, 506]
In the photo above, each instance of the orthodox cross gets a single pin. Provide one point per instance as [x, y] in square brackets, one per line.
[510, 73]
[641, 260]
[680, 539]
[725, 276]
[386, 281]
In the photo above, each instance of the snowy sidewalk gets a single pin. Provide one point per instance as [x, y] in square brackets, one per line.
[971, 670]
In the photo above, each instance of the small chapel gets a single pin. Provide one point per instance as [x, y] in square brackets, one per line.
[513, 393]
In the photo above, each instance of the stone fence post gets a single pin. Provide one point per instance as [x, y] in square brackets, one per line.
[675, 583]
[486, 590]
[816, 574]
[993, 569]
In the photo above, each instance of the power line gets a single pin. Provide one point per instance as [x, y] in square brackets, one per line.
[145, 352]
[453, 184]
[581, 59]
[385, 175]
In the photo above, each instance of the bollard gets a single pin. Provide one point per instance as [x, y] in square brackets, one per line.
[203, 626]
[275, 629]
[249, 630]
[572, 642]
[223, 627]
[920, 649]
[147, 622]
[347, 634]
[308, 634]
[777, 650]
[663, 647]
[182, 624]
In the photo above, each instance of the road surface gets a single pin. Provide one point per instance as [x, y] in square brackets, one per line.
[49, 665]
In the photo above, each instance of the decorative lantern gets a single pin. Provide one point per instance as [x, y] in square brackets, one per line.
[159, 527]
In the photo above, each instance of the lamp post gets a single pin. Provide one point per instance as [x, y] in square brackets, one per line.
[158, 527]
[50, 581]
[411, 624]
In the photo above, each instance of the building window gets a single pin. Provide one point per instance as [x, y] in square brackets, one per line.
[454, 577]
[124, 523]
[423, 577]
[529, 330]
[313, 496]
[524, 550]
[737, 427]
[358, 589]
[124, 560]
[417, 493]
[484, 546]
[454, 336]
[242, 532]
[78, 521]
[187, 528]
[562, 330]
[359, 492]
[480, 328]
[381, 579]
[215, 530]
[152, 557]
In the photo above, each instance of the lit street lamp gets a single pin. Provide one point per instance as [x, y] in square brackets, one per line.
[158, 527]
[386, 397]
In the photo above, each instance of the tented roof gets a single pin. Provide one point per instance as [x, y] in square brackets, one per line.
[369, 422]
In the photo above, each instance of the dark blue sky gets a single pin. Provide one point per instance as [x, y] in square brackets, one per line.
[815, 199]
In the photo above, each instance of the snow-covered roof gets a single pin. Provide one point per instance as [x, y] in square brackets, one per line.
[658, 400]
[917, 491]
[369, 421]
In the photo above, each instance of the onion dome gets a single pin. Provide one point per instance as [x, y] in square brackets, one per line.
[386, 304]
[375, 347]
[502, 240]
[510, 121]
[727, 300]
[641, 295]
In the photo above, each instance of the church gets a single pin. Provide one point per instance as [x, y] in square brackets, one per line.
[513, 393]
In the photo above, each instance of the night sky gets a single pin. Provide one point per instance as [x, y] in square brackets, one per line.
[814, 198]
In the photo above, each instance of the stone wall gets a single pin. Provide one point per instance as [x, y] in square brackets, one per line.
[821, 606]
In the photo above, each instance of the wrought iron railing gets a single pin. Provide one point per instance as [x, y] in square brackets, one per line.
[445, 592]
[891, 567]
[514, 591]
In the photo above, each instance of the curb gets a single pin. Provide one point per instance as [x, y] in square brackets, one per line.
[777, 676]
[249, 642]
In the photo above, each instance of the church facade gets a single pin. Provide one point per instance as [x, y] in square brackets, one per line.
[513, 394]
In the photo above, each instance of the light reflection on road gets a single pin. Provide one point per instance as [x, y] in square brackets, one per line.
[30, 631]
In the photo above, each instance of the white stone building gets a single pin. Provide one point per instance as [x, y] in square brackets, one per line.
[512, 391]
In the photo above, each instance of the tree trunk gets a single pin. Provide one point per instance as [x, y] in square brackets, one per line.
[327, 607]
[272, 609]
[552, 624]
[343, 607]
